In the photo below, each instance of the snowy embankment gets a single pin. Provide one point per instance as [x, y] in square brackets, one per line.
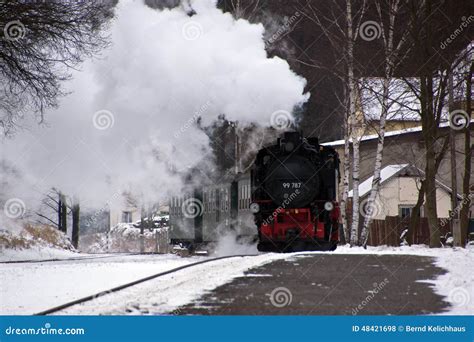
[35, 243]
[456, 285]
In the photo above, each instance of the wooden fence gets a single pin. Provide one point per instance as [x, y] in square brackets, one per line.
[388, 231]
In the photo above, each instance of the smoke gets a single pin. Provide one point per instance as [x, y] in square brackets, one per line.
[228, 244]
[132, 114]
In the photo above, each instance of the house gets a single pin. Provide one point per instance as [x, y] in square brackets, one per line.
[406, 147]
[398, 192]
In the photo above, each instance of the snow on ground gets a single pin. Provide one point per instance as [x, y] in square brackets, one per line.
[166, 294]
[36, 253]
[28, 288]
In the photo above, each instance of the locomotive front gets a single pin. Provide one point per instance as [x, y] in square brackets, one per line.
[294, 197]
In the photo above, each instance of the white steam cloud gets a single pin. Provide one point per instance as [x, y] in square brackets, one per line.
[132, 113]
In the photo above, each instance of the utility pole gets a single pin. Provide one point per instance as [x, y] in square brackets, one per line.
[75, 223]
[62, 213]
[142, 230]
[236, 149]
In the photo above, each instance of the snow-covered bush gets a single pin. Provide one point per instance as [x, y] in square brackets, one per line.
[38, 236]
[125, 237]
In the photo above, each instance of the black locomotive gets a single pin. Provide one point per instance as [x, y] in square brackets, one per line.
[288, 201]
[294, 195]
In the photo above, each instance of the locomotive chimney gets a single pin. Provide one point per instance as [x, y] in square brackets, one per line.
[291, 140]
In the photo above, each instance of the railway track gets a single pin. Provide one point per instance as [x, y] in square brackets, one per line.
[33, 261]
[130, 284]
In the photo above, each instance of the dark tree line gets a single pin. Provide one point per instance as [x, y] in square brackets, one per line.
[311, 54]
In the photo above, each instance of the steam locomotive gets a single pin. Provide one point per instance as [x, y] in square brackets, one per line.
[288, 201]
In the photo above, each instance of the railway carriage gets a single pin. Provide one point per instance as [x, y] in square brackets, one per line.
[202, 215]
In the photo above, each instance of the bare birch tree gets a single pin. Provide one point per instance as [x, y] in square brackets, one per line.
[430, 87]
[339, 25]
[393, 57]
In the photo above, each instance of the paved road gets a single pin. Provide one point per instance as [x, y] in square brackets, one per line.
[328, 284]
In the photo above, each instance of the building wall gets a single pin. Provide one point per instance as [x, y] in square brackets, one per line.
[117, 211]
[404, 191]
[409, 149]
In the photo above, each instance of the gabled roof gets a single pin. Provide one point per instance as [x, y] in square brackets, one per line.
[390, 171]
[387, 134]
[385, 174]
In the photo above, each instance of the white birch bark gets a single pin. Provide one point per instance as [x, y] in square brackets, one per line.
[355, 141]
[345, 180]
[371, 205]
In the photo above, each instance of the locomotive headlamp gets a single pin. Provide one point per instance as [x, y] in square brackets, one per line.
[328, 206]
[254, 208]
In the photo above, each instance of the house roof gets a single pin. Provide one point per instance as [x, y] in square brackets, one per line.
[387, 134]
[385, 174]
[390, 171]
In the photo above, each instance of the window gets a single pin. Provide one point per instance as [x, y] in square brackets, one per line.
[126, 216]
[404, 211]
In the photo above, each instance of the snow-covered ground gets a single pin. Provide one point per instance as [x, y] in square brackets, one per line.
[166, 294]
[37, 253]
[29, 288]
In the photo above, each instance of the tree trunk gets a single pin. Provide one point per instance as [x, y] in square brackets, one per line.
[355, 194]
[430, 135]
[75, 224]
[370, 212]
[354, 239]
[430, 190]
[466, 197]
[416, 214]
[452, 144]
[345, 182]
